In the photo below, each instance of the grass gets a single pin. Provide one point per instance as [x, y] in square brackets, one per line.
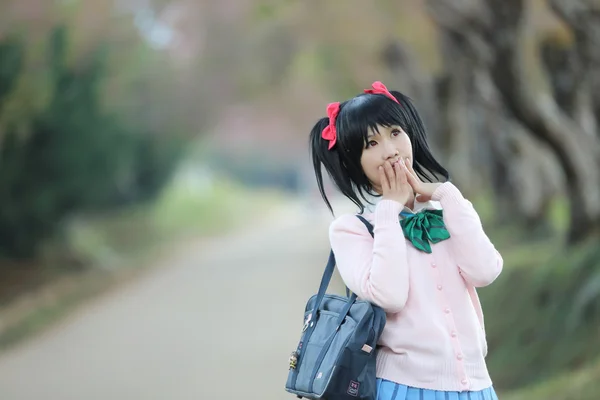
[583, 384]
[117, 246]
[543, 313]
[532, 334]
[179, 212]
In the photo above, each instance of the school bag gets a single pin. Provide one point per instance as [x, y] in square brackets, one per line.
[336, 355]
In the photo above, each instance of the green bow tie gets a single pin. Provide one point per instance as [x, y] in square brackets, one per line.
[423, 228]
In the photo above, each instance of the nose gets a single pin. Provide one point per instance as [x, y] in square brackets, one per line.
[390, 150]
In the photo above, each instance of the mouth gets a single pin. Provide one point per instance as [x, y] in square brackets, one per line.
[406, 160]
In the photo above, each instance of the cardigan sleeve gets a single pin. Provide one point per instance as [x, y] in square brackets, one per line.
[376, 269]
[478, 260]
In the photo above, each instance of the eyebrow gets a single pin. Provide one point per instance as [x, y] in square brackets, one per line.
[371, 133]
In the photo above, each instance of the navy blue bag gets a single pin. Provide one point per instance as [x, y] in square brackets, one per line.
[335, 358]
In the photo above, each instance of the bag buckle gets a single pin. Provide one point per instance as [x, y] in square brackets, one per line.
[305, 327]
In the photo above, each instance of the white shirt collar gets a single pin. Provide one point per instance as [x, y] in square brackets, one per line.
[429, 205]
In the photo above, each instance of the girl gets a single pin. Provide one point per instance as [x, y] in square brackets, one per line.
[428, 254]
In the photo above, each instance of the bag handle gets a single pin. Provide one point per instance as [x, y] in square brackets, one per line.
[326, 280]
[328, 273]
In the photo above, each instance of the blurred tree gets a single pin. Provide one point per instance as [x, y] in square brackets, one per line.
[11, 54]
[75, 157]
[495, 37]
[582, 17]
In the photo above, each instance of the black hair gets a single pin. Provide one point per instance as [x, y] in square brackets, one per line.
[356, 118]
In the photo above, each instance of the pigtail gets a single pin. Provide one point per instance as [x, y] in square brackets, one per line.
[425, 163]
[320, 155]
[334, 164]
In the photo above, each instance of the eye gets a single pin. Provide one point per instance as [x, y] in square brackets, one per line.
[371, 143]
[396, 132]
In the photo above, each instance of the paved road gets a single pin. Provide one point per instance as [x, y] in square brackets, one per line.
[217, 321]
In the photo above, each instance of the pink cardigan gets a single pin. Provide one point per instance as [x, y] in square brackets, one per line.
[434, 337]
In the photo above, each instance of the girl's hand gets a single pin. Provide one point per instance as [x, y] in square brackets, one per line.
[423, 189]
[394, 183]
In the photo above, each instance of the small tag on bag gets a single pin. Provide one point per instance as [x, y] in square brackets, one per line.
[367, 349]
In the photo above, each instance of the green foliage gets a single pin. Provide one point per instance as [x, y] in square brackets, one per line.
[543, 311]
[11, 56]
[550, 327]
[583, 384]
[76, 156]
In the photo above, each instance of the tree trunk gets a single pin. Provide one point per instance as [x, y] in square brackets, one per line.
[577, 153]
[583, 19]
[497, 145]
[494, 29]
[524, 176]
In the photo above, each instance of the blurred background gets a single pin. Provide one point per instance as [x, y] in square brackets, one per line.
[160, 228]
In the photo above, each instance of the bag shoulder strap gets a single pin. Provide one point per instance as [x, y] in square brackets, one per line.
[367, 224]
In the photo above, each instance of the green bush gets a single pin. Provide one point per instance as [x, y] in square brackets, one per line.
[550, 327]
[75, 156]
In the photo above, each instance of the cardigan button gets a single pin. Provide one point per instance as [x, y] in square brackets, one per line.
[433, 265]
[453, 333]
[447, 311]
[439, 287]
[464, 381]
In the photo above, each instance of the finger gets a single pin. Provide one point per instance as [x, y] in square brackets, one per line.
[400, 174]
[410, 169]
[412, 179]
[391, 175]
[383, 180]
[423, 198]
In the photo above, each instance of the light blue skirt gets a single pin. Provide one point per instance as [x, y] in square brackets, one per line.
[387, 390]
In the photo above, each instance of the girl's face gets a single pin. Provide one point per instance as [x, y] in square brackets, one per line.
[390, 143]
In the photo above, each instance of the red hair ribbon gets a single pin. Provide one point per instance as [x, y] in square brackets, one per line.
[379, 88]
[329, 132]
